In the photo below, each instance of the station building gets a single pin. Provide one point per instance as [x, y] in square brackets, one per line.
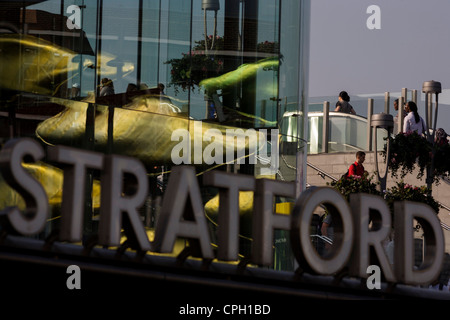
[130, 92]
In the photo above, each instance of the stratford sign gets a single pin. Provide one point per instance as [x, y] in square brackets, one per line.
[360, 226]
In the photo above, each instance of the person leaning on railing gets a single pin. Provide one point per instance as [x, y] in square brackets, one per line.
[343, 104]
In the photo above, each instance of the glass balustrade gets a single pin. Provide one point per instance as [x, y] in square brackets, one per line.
[347, 132]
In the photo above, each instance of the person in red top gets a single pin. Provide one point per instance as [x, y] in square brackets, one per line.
[357, 168]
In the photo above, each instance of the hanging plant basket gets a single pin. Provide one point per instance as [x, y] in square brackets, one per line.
[201, 63]
[410, 151]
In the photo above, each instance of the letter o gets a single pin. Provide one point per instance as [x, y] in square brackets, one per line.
[304, 251]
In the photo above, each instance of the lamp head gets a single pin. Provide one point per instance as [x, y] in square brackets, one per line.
[431, 87]
[382, 120]
[210, 5]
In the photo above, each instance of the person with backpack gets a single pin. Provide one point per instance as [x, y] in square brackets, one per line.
[357, 168]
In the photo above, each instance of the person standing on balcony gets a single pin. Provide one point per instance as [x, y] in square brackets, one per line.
[396, 109]
[396, 116]
[413, 122]
[343, 104]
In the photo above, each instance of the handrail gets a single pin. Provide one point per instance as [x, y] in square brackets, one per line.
[338, 114]
[332, 113]
[445, 226]
[444, 206]
[321, 172]
[324, 238]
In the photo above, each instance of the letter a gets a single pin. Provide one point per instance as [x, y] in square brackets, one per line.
[74, 281]
[74, 21]
[374, 280]
[184, 146]
[374, 21]
[182, 214]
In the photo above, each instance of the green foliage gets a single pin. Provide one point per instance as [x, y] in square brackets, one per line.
[193, 67]
[268, 47]
[356, 184]
[441, 159]
[199, 64]
[410, 151]
[401, 191]
[404, 191]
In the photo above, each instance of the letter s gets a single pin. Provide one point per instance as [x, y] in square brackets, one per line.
[12, 155]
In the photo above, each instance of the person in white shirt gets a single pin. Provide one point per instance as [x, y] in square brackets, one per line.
[413, 122]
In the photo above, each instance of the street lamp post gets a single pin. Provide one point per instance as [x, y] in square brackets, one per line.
[383, 121]
[430, 88]
[210, 5]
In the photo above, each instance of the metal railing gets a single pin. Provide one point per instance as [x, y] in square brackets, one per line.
[331, 131]
[322, 173]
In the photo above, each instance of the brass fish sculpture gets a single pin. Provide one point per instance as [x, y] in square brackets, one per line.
[147, 129]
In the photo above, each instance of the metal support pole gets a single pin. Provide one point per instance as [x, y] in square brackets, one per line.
[386, 102]
[89, 144]
[430, 88]
[382, 121]
[427, 114]
[435, 118]
[429, 110]
[414, 96]
[405, 94]
[325, 126]
[369, 120]
[401, 115]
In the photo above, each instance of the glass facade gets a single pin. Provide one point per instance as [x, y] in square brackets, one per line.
[122, 77]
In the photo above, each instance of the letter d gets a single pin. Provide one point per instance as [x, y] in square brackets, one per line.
[429, 270]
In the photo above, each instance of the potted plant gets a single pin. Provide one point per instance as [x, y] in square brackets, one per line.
[196, 65]
[356, 184]
[404, 191]
[410, 151]
[200, 63]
